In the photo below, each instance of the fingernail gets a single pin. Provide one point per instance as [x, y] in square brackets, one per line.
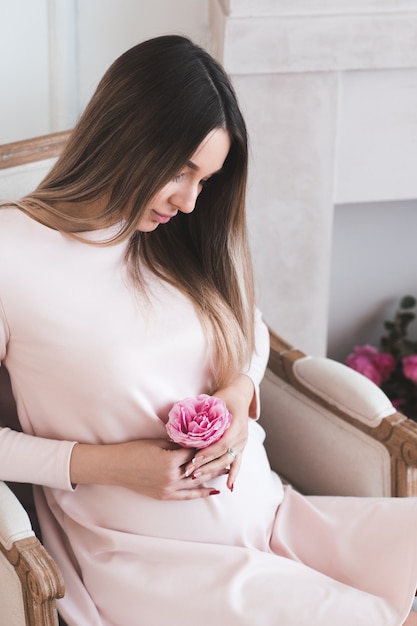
[214, 492]
[195, 475]
[232, 486]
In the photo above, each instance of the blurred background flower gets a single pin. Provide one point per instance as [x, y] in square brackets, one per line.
[393, 365]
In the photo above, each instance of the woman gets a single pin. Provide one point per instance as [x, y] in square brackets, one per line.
[128, 287]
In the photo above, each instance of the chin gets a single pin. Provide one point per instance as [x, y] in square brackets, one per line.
[148, 227]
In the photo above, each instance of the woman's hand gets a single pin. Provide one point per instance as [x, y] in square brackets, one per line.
[153, 467]
[162, 470]
[211, 461]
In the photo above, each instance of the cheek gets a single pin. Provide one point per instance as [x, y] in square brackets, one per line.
[154, 201]
[161, 196]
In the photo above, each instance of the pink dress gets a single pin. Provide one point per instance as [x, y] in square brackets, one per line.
[91, 362]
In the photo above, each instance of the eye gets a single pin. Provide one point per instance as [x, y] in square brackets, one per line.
[204, 182]
[178, 178]
[208, 181]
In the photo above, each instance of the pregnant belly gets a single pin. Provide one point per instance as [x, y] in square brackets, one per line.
[244, 517]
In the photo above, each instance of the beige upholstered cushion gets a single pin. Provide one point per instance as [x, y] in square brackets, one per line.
[11, 602]
[17, 181]
[14, 521]
[315, 450]
[344, 388]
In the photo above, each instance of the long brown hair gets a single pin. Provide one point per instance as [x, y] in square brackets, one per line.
[150, 112]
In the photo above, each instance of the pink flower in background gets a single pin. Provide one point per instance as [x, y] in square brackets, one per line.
[397, 403]
[378, 366]
[198, 422]
[409, 364]
[385, 364]
[393, 366]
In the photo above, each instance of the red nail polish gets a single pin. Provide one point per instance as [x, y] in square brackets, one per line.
[232, 486]
[214, 492]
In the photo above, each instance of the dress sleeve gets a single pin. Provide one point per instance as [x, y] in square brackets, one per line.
[259, 361]
[29, 459]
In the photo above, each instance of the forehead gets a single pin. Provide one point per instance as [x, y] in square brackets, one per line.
[212, 152]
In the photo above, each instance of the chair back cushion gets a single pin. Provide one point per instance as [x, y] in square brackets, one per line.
[315, 450]
[11, 599]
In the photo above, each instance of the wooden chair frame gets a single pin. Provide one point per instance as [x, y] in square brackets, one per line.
[41, 580]
[396, 432]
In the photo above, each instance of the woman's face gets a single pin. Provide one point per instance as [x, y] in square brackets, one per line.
[181, 193]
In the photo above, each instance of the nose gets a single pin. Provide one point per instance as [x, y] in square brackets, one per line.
[185, 199]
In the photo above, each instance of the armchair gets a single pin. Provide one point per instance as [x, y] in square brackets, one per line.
[329, 431]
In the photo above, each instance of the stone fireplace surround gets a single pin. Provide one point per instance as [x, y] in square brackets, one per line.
[329, 93]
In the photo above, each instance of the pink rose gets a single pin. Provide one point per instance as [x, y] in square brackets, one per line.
[385, 364]
[362, 359]
[378, 366]
[397, 403]
[410, 367]
[198, 422]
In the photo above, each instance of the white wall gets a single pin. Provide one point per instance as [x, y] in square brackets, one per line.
[24, 69]
[106, 28]
[374, 256]
[374, 264]
[53, 52]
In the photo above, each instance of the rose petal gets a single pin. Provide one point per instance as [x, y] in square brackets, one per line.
[198, 422]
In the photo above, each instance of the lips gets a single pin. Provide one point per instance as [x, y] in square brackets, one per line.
[161, 218]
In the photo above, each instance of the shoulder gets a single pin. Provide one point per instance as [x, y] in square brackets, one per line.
[11, 218]
[17, 226]
[19, 234]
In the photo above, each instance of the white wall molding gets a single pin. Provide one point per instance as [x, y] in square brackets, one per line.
[24, 76]
[257, 8]
[63, 64]
[314, 43]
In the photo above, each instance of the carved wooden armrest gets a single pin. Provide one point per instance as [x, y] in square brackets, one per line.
[24, 557]
[356, 402]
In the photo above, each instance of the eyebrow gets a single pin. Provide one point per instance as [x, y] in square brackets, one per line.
[195, 167]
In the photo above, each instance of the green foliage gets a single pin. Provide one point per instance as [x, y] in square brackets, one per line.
[401, 390]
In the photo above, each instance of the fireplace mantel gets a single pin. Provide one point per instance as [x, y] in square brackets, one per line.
[329, 93]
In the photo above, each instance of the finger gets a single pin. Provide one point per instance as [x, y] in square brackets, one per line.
[194, 494]
[233, 473]
[235, 440]
[197, 461]
[209, 455]
[205, 465]
[232, 453]
[215, 469]
[199, 477]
